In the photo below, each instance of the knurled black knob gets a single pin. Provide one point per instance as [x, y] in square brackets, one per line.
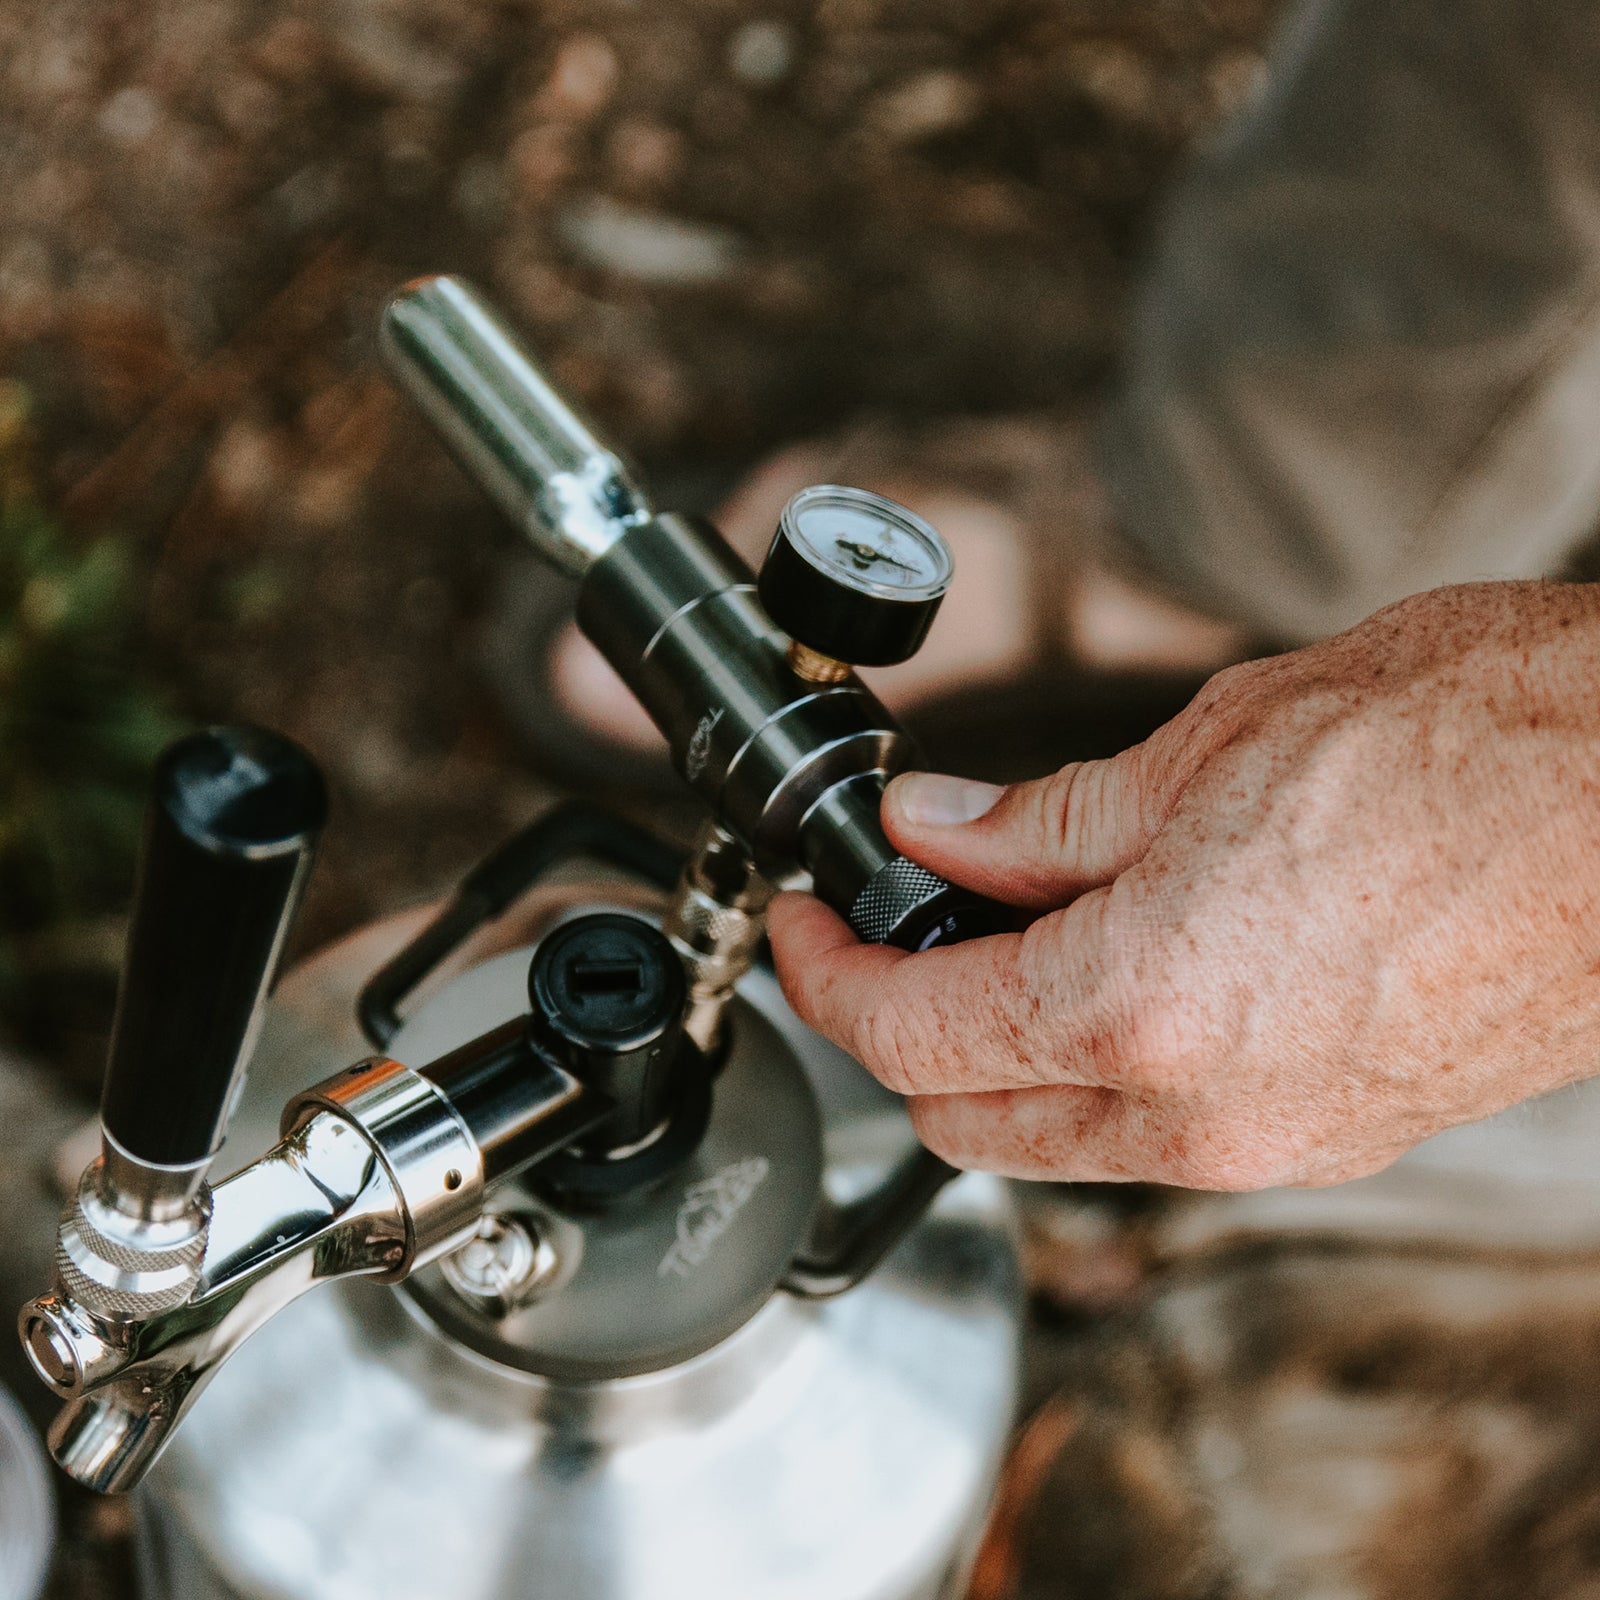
[854, 579]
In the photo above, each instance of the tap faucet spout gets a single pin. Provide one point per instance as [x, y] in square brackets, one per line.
[376, 1175]
[159, 1277]
[320, 1205]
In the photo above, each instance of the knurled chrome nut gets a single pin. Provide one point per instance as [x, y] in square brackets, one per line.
[704, 925]
[121, 1266]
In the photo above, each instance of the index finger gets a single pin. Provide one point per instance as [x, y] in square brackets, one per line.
[1011, 1011]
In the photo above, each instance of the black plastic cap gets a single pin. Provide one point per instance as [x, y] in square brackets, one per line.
[231, 827]
[608, 994]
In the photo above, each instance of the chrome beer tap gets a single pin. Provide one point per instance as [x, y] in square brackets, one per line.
[159, 1276]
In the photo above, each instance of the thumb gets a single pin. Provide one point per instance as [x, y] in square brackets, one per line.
[1035, 844]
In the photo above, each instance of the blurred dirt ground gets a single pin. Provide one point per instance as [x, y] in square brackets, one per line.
[725, 224]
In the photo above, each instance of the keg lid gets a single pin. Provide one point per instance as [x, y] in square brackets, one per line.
[661, 1276]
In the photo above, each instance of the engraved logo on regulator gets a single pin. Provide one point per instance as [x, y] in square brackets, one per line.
[699, 751]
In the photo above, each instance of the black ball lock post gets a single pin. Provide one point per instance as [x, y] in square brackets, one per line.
[607, 993]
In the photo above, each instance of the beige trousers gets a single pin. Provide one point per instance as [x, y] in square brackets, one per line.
[1366, 357]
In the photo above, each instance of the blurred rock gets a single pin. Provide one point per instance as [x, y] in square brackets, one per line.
[761, 53]
[935, 102]
[651, 248]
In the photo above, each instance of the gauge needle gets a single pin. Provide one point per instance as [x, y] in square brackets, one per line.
[865, 556]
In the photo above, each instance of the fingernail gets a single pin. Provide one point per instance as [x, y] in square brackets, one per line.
[935, 800]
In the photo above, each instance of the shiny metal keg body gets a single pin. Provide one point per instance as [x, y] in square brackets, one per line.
[354, 1450]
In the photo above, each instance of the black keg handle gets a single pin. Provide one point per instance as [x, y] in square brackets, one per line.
[849, 1241]
[570, 832]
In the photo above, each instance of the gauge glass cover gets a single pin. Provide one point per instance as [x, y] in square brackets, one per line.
[868, 543]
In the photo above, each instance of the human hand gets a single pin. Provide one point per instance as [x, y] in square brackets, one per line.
[1349, 897]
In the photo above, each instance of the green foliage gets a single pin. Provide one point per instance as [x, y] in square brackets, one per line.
[77, 732]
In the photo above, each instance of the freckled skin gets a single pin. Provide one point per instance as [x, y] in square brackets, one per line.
[1349, 897]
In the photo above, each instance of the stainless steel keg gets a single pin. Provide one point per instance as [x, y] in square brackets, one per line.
[414, 1442]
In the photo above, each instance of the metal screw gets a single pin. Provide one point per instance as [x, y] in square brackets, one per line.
[505, 1264]
[52, 1354]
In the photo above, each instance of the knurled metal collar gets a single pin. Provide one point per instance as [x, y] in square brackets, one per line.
[122, 1266]
[891, 893]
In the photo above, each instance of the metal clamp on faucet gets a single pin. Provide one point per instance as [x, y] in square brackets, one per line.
[769, 724]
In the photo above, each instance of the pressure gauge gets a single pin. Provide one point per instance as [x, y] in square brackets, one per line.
[853, 579]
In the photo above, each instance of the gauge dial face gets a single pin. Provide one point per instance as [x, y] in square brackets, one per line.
[868, 543]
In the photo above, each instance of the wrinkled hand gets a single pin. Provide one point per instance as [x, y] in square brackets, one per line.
[1349, 897]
